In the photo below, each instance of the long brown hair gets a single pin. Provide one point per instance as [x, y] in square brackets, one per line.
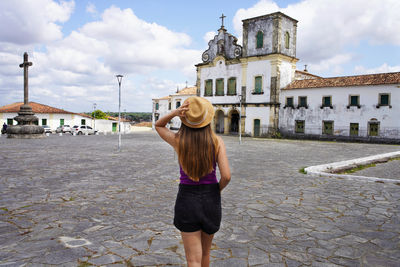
[197, 150]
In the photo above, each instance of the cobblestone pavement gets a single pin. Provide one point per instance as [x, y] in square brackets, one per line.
[74, 201]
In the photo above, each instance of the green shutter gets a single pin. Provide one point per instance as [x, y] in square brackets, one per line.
[157, 106]
[260, 37]
[208, 91]
[83, 121]
[44, 121]
[10, 121]
[258, 84]
[373, 129]
[232, 86]
[61, 122]
[354, 100]
[114, 127]
[327, 101]
[327, 127]
[303, 101]
[256, 127]
[289, 102]
[353, 129]
[220, 87]
[384, 100]
[287, 40]
[299, 127]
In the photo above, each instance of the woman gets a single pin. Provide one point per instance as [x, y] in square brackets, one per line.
[198, 203]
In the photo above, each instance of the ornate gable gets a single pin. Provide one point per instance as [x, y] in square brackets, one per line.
[224, 44]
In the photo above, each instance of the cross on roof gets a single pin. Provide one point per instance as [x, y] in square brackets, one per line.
[222, 18]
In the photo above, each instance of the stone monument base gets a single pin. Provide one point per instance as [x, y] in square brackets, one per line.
[25, 131]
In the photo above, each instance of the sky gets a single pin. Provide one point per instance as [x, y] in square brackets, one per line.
[77, 47]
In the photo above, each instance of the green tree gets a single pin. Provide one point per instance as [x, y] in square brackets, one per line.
[98, 114]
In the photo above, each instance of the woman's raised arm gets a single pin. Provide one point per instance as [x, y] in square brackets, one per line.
[166, 133]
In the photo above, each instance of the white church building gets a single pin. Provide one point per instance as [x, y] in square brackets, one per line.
[257, 86]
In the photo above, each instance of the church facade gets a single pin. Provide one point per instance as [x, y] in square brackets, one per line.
[256, 89]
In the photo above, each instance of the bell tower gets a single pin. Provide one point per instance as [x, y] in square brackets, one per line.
[273, 37]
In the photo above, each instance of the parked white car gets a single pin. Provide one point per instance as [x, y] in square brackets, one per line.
[82, 129]
[47, 129]
[64, 129]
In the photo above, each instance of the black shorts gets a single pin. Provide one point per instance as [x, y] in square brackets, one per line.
[198, 207]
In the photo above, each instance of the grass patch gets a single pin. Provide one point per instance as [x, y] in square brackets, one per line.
[5, 209]
[359, 168]
[303, 170]
[84, 264]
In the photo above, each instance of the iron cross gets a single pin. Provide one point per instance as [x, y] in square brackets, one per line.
[25, 65]
[222, 18]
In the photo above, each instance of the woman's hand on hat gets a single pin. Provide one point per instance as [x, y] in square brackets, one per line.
[181, 111]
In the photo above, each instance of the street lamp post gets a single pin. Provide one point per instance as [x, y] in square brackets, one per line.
[94, 116]
[119, 79]
[240, 120]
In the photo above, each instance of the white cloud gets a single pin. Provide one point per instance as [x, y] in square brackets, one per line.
[334, 63]
[80, 69]
[27, 22]
[91, 8]
[381, 69]
[209, 36]
[326, 27]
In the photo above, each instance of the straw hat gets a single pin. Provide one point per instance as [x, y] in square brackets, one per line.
[200, 112]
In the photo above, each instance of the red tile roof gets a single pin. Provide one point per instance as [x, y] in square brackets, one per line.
[187, 91]
[359, 80]
[36, 108]
[299, 74]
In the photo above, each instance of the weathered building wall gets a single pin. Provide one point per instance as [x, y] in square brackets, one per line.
[274, 27]
[258, 68]
[161, 111]
[341, 113]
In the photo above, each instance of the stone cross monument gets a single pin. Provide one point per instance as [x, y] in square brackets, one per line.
[26, 119]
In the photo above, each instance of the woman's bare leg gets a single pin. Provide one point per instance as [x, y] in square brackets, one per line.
[193, 248]
[206, 241]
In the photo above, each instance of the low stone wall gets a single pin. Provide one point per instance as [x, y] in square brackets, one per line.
[340, 138]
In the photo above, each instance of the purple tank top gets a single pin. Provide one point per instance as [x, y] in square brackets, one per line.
[210, 178]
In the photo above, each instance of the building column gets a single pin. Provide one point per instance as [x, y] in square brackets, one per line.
[273, 127]
[243, 119]
[198, 81]
[226, 124]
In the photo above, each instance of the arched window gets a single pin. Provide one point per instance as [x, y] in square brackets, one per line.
[260, 37]
[287, 40]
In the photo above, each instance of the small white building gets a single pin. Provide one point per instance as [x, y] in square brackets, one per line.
[51, 116]
[161, 106]
[55, 117]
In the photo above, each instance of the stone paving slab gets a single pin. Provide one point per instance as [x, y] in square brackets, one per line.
[74, 200]
[388, 170]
